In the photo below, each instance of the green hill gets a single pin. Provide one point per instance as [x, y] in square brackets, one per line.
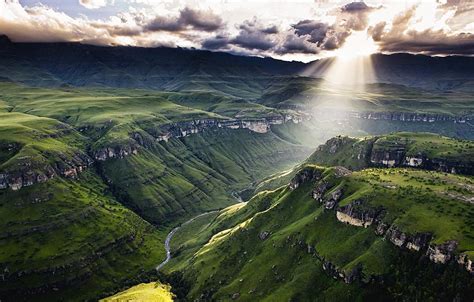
[78, 223]
[423, 150]
[285, 245]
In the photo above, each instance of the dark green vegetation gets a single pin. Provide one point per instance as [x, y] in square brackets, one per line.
[78, 227]
[104, 150]
[275, 246]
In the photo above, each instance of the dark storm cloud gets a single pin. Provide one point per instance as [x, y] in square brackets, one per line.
[255, 36]
[253, 40]
[355, 7]
[398, 37]
[429, 42]
[188, 19]
[316, 30]
[296, 44]
[252, 36]
[354, 16]
[202, 20]
[217, 42]
[252, 26]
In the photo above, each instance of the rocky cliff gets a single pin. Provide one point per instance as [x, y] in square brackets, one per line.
[424, 151]
[360, 213]
[307, 174]
[165, 132]
[357, 213]
[27, 172]
[412, 117]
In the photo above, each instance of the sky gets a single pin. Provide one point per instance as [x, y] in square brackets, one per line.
[301, 30]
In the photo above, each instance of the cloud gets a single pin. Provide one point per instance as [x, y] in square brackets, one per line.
[93, 4]
[43, 24]
[354, 16]
[253, 35]
[400, 37]
[169, 23]
[463, 11]
[188, 19]
[201, 20]
[297, 44]
[355, 7]
[217, 42]
[303, 37]
[316, 30]
[460, 6]
[253, 40]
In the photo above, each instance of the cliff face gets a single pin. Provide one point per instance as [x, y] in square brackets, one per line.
[26, 173]
[186, 128]
[357, 214]
[360, 213]
[398, 158]
[412, 117]
[308, 174]
[388, 158]
[115, 152]
[392, 151]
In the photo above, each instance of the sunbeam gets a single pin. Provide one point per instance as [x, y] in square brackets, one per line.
[344, 76]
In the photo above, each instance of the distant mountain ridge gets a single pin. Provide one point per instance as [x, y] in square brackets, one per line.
[69, 63]
[76, 64]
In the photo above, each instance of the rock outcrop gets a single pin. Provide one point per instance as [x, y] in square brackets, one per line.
[336, 273]
[27, 173]
[305, 175]
[332, 199]
[466, 263]
[357, 213]
[411, 117]
[386, 151]
[185, 128]
[442, 253]
[263, 235]
[388, 158]
[115, 152]
[320, 190]
[419, 241]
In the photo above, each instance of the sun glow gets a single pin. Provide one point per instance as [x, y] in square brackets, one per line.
[358, 44]
[344, 76]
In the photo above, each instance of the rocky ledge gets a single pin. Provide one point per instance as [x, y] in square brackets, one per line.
[305, 175]
[259, 125]
[26, 173]
[358, 213]
[186, 128]
[399, 158]
[411, 117]
[115, 152]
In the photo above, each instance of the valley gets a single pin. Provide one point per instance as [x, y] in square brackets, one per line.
[225, 177]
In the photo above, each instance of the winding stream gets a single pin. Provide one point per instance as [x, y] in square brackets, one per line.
[171, 234]
[173, 231]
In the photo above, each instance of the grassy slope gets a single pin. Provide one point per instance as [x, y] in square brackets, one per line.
[39, 140]
[187, 176]
[74, 236]
[234, 259]
[164, 183]
[143, 292]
